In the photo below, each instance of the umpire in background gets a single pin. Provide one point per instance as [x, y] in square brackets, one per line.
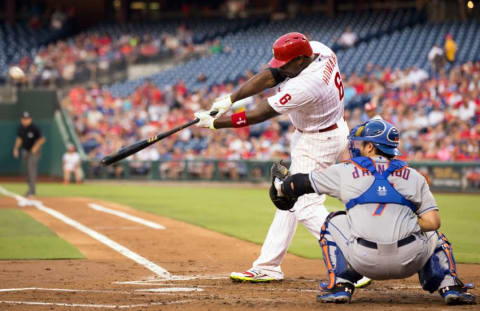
[30, 138]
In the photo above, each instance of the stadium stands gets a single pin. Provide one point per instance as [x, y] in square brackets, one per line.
[438, 117]
[19, 40]
[395, 39]
[109, 45]
[387, 67]
[251, 48]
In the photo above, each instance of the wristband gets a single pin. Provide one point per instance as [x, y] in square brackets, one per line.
[239, 119]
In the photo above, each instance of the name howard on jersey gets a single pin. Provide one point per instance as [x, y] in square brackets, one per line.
[329, 67]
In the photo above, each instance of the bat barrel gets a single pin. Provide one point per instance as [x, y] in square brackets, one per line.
[131, 149]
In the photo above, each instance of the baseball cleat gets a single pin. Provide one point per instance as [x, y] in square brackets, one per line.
[341, 293]
[252, 276]
[363, 282]
[457, 295]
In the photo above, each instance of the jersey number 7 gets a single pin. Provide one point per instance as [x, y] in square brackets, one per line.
[339, 85]
[380, 208]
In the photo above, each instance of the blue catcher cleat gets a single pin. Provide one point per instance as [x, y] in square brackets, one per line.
[457, 295]
[341, 293]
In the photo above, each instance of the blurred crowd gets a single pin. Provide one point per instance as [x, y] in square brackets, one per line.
[90, 54]
[438, 118]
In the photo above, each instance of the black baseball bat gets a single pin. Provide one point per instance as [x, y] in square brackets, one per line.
[133, 148]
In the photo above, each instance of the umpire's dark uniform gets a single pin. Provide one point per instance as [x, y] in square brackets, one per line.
[30, 139]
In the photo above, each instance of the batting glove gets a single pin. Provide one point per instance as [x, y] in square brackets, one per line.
[206, 120]
[221, 105]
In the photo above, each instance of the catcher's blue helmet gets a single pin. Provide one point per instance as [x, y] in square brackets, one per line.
[382, 134]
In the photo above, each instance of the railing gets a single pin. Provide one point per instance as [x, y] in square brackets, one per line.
[443, 176]
[182, 170]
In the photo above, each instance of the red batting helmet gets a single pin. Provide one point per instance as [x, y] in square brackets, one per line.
[289, 46]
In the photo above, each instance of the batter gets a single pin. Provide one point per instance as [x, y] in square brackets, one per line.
[310, 90]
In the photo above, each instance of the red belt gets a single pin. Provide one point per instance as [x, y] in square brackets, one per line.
[327, 129]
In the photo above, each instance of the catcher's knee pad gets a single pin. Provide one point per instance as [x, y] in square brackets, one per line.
[441, 264]
[432, 274]
[324, 229]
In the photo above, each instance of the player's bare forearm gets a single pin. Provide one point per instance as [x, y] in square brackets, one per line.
[256, 84]
[430, 221]
[18, 143]
[38, 144]
[262, 112]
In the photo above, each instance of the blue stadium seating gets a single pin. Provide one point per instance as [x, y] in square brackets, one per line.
[203, 29]
[410, 46]
[397, 39]
[19, 40]
[251, 47]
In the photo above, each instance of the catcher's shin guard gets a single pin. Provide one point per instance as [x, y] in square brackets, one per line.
[440, 271]
[337, 267]
[447, 249]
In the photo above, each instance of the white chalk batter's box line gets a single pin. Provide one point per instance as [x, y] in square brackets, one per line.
[160, 290]
[22, 201]
[83, 305]
[127, 216]
[173, 278]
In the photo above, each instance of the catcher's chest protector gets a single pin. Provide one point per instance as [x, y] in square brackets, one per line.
[381, 191]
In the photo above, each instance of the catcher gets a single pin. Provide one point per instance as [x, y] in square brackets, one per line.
[389, 228]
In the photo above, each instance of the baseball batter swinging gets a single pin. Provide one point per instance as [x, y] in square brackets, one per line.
[388, 230]
[310, 90]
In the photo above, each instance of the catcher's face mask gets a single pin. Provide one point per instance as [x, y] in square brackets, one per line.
[354, 147]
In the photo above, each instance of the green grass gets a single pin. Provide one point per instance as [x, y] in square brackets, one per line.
[21, 237]
[246, 213]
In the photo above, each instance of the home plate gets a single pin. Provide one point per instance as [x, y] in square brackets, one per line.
[170, 289]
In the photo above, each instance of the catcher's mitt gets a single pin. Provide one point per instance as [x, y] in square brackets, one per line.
[278, 170]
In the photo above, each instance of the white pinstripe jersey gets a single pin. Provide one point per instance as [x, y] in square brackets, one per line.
[314, 98]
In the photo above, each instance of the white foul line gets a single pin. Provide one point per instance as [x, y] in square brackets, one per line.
[6, 290]
[84, 305]
[170, 289]
[159, 271]
[126, 216]
[68, 290]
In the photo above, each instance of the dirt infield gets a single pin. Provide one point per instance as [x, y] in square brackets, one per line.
[198, 260]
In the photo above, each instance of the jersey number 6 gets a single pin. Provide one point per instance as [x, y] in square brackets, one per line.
[284, 99]
[339, 85]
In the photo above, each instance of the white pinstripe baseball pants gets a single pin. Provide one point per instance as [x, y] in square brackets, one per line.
[309, 151]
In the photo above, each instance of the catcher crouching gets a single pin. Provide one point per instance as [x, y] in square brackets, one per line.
[389, 228]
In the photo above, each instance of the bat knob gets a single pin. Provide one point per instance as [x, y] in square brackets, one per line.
[104, 162]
